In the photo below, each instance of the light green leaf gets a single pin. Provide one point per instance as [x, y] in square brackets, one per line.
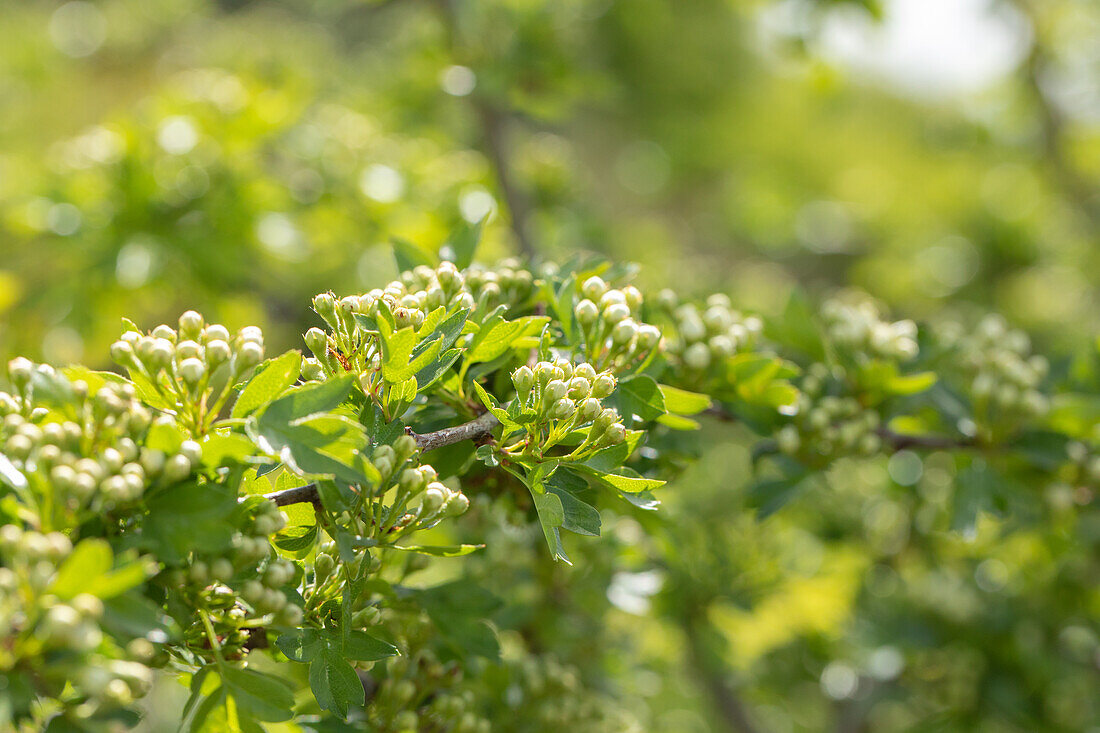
[498, 335]
[682, 402]
[268, 383]
[438, 551]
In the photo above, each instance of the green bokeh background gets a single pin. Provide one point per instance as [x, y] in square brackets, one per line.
[237, 157]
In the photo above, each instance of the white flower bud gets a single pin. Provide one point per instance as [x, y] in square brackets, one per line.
[697, 356]
[594, 288]
[188, 350]
[633, 297]
[586, 312]
[616, 312]
[250, 354]
[122, 353]
[215, 332]
[217, 352]
[165, 332]
[456, 505]
[624, 332]
[588, 409]
[20, 371]
[192, 370]
[612, 296]
[648, 337]
[191, 324]
[434, 496]
[554, 390]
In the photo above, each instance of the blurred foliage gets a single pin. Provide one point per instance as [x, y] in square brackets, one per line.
[239, 157]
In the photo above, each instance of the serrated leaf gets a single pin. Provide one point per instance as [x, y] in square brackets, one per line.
[363, 647]
[335, 683]
[301, 645]
[268, 383]
[498, 336]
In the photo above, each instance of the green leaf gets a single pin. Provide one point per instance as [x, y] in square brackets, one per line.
[551, 516]
[226, 449]
[268, 383]
[770, 495]
[439, 551]
[462, 244]
[498, 335]
[89, 560]
[260, 695]
[301, 645]
[398, 362]
[188, 516]
[682, 402]
[311, 399]
[407, 255]
[621, 481]
[640, 396]
[577, 516]
[363, 647]
[297, 540]
[335, 683]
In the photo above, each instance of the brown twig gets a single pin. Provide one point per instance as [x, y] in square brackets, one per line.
[477, 428]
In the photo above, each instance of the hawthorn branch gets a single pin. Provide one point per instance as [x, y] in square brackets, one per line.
[476, 429]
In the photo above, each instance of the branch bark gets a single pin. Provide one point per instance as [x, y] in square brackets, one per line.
[476, 429]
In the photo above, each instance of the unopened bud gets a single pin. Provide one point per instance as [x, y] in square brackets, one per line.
[586, 312]
[579, 388]
[603, 385]
[217, 352]
[325, 306]
[191, 324]
[594, 287]
[524, 380]
[192, 370]
[456, 505]
[249, 355]
[563, 409]
[616, 312]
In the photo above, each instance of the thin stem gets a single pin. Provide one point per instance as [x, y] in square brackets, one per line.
[477, 428]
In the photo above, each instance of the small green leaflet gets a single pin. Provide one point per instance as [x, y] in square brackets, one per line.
[270, 380]
[498, 335]
[331, 677]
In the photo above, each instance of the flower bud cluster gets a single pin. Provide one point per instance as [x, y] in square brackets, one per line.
[860, 329]
[348, 346]
[241, 588]
[436, 500]
[828, 426]
[1004, 375]
[709, 335]
[61, 642]
[182, 363]
[98, 464]
[609, 320]
[565, 397]
[189, 355]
